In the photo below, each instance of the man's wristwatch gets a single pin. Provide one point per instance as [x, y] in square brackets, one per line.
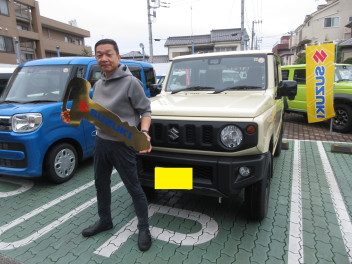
[146, 131]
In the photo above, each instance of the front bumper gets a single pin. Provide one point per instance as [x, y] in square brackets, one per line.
[21, 155]
[212, 175]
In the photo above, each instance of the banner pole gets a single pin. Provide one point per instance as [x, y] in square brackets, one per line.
[333, 89]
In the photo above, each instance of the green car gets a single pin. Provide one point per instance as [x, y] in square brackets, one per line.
[342, 122]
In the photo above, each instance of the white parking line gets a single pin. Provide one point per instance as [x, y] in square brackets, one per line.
[25, 186]
[295, 249]
[337, 199]
[54, 224]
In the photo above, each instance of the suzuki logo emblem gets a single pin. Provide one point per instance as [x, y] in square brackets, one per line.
[173, 134]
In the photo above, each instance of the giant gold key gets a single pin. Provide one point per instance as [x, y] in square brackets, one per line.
[85, 108]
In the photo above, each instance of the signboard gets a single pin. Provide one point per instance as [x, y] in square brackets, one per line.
[320, 70]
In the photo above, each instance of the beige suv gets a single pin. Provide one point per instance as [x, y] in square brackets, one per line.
[221, 114]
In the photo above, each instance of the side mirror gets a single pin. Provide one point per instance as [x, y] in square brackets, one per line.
[287, 88]
[154, 89]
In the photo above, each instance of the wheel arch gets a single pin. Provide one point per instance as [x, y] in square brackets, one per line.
[70, 141]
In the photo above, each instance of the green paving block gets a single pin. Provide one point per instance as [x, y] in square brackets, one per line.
[168, 251]
[69, 258]
[279, 234]
[259, 253]
[324, 251]
[237, 232]
[231, 247]
[247, 242]
[243, 256]
[194, 256]
[281, 220]
[263, 238]
[309, 239]
[341, 259]
[177, 258]
[252, 228]
[339, 248]
[225, 259]
[276, 249]
[310, 255]
[273, 260]
[213, 252]
[266, 224]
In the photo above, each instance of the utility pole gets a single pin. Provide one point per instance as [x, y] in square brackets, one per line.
[149, 7]
[291, 34]
[150, 32]
[254, 22]
[242, 24]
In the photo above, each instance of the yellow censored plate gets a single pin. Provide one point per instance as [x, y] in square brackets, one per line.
[173, 178]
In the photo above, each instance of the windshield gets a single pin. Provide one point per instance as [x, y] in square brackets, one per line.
[343, 73]
[218, 73]
[38, 84]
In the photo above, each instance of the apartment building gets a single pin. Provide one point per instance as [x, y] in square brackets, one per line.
[217, 40]
[331, 22]
[26, 35]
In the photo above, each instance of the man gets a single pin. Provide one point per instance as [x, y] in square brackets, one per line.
[120, 92]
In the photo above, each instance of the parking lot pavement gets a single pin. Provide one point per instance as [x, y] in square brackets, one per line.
[309, 218]
[297, 127]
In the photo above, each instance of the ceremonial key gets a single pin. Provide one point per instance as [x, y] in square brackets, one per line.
[85, 108]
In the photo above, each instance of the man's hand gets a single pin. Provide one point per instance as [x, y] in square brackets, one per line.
[147, 150]
[65, 116]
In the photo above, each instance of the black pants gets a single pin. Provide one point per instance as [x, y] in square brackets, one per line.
[109, 154]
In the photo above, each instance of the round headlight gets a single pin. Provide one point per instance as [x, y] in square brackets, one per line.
[231, 136]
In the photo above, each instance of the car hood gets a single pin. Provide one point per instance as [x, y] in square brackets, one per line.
[243, 104]
[9, 109]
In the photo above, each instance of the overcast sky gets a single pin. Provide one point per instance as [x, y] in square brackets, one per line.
[126, 21]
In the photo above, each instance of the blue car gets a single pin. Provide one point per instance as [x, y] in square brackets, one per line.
[33, 139]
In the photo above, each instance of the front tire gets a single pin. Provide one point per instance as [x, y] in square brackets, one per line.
[342, 122]
[61, 163]
[257, 195]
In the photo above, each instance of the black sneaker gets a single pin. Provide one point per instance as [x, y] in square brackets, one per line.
[96, 228]
[144, 240]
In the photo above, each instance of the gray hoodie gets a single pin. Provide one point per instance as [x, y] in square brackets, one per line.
[123, 94]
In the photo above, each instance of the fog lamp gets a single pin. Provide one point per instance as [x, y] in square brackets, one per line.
[245, 171]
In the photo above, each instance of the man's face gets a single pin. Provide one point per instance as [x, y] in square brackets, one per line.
[107, 59]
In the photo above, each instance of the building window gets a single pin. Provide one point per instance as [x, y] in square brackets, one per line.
[6, 44]
[68, 39]
[78, 42]
[27, 56]
[331, 22]
[4, 10]
[221, 49]
[22, 27]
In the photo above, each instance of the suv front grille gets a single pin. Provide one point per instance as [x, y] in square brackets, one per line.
[197, 135]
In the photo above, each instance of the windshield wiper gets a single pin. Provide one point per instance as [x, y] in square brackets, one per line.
[193, 88]
[238, 87]
[39, 101]
[11, 102]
